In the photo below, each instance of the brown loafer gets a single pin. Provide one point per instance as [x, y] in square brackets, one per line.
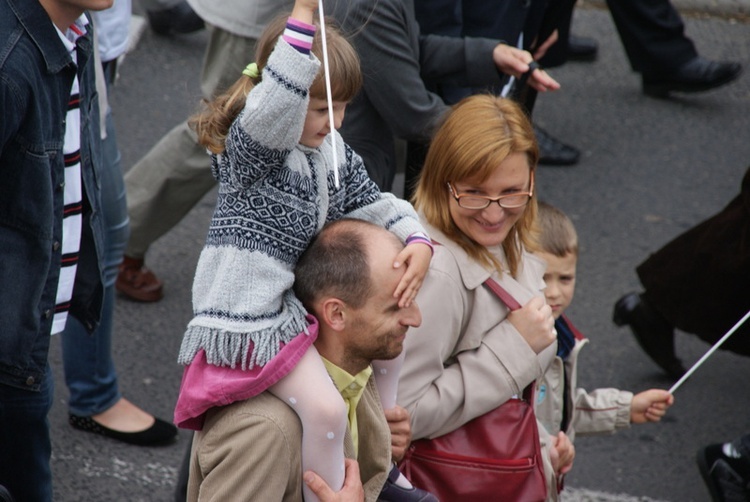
[137, 282]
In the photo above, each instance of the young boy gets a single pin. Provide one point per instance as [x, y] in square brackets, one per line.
[560, 405]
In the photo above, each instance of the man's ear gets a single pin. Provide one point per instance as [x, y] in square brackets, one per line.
[334, 313]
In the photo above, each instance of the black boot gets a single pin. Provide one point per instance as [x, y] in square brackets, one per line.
[582, 48]
[553, 152]
[654, 334]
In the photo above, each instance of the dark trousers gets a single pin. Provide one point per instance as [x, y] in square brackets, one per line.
[537, 19]
[652, 34]
[25, 446]
[699, 280]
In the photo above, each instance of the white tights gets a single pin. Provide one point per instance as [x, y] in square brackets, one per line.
[309, 391]
[312, 395]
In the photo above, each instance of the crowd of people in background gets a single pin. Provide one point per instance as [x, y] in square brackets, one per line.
[334, 322]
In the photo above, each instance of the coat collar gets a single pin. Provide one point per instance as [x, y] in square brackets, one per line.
[473, 274]
[37, 23]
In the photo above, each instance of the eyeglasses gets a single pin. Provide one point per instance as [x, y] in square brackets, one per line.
[510, 201]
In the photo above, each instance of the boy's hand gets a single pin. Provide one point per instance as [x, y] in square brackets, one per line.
[352, 491]
[398, 422]
[650, 406]
[417, 258]
[562, 453]
[535, 323]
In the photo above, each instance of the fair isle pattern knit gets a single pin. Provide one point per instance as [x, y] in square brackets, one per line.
[274, 196]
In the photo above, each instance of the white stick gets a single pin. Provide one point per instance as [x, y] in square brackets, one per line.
[710, 351]
[329, 93]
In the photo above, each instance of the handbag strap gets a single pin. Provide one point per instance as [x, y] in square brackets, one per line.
[501, 293]
[512, 304]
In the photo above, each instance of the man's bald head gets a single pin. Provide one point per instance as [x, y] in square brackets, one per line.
[337, 263]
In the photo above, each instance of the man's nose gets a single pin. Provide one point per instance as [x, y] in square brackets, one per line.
[412, 315]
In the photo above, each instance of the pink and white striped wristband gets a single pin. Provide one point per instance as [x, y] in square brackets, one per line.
[299, 35]
[422, 238]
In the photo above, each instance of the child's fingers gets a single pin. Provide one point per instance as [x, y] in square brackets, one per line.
[401, 288]
[402, 257]
[410, 294]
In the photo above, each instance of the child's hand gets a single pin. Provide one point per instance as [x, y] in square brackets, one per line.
[562, 453]
[417, 258]
[304, 10]
[650, 406]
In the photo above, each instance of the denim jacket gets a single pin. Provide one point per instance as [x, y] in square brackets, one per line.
[36, 74]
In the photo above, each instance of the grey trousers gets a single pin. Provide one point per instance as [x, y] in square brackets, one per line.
[176, 173]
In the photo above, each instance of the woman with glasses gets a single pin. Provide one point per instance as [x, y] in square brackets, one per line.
[476, 199]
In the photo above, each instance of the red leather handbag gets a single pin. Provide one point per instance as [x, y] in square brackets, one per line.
[495, 457]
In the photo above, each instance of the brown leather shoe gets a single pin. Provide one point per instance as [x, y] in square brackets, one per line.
[137, 282]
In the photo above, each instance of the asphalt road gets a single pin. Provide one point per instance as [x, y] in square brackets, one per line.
[650, 170]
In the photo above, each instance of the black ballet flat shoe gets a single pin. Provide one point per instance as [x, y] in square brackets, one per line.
[160, 434]
[697, 75]
[553, 152]
[391, 492]
[652, 332]
[582, 48]
[180, 19]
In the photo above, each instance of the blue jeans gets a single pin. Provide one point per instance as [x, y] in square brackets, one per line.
[87, 357]
[25, 446]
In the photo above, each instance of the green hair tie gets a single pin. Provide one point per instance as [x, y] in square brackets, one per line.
[251, 70]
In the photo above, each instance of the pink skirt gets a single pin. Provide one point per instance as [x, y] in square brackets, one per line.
[205, 386]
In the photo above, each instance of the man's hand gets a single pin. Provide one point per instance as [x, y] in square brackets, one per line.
[540, 51]
[398, 422]
[352, 491]
[512, 61]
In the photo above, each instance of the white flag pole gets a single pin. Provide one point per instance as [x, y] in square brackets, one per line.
[710, 351]
[329, 93]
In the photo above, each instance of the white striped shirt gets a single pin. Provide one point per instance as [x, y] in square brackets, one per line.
[73, 195]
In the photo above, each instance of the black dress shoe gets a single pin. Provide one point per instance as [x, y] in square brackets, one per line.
[391, 492]
[654, 334]
[159, 434]
[697, 75]
[178, 19]
[726, 476]
[582, 48]
[553, 152]
[5, 495]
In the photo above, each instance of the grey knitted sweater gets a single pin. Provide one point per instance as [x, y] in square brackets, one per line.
[274, 196]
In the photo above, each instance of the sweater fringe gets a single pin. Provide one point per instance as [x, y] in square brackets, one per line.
[248, 349]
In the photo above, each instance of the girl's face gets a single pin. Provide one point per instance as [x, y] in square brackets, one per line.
[317, 126]
[490, 226]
